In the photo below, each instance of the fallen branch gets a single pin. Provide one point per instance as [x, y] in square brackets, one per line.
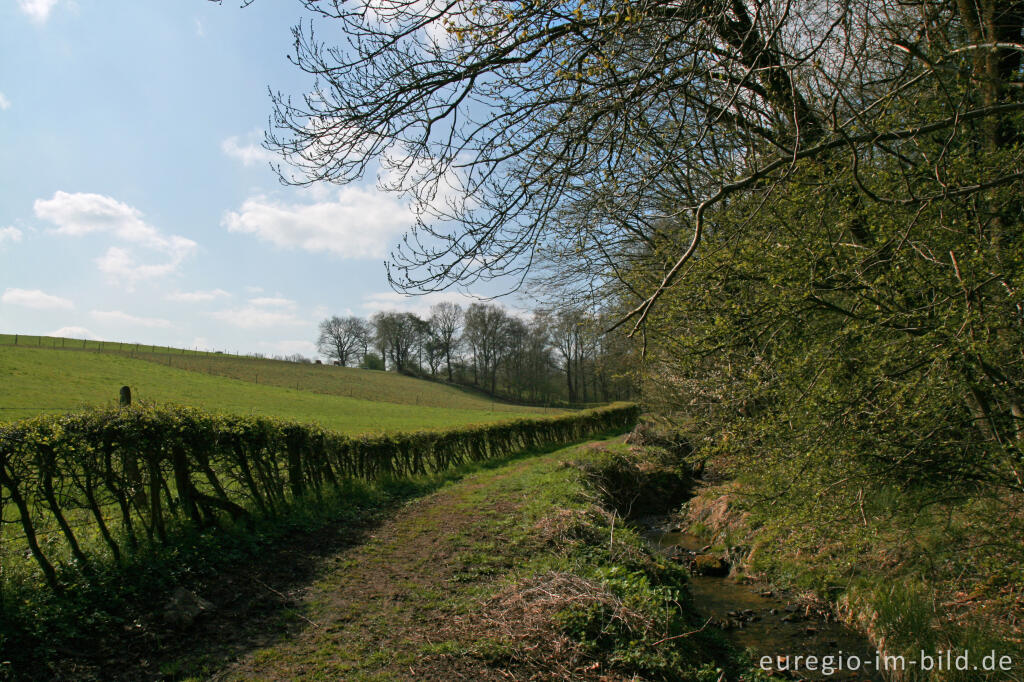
[284, 598]
[685, 634]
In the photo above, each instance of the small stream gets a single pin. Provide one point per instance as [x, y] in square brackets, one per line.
[754, 617]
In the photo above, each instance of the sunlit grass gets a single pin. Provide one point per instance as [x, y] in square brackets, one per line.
[40, 380]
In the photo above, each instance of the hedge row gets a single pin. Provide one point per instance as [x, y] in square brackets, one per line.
[118, 477]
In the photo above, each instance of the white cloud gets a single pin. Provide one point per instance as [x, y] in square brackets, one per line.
[118, 316]
[253, 317]
[394, 302]
[197, 296]
[273, 301]
[121, 266]
[250, 153]
[359, 223]
[200, 31]
[4, 102]
[321, 191]
[37, 10]
[34, 298]
[75, 333]
[82, 213]
[10, 234]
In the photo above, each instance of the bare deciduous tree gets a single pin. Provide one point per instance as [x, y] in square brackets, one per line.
[398, 335]
[543, 131]
[445, 323]
[486, 329]
[343, 339]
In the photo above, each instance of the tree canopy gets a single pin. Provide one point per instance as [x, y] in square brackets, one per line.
[583, 133]
[810, 211]
[848, 166]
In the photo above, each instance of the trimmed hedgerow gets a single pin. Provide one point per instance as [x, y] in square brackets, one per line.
[107, 480]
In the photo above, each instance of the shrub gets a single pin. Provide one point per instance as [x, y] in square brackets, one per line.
[108, 480]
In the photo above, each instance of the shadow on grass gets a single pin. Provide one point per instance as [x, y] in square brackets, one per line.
[116, 625]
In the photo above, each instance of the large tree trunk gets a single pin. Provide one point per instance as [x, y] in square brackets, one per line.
[997, 24]
[568, 378]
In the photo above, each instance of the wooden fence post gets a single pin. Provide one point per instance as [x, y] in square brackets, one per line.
[131, 462]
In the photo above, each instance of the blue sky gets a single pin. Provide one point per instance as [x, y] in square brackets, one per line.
[135, 201]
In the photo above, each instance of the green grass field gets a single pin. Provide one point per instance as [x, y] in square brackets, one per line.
[45, 379]
[329, 380]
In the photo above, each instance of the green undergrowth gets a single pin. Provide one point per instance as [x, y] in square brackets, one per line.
[918, 571]
[930, 577]
[648, 628]
[41, 630]
[572, 571]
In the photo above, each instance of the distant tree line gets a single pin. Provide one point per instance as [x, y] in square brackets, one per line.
[298, 358]
[547, 357]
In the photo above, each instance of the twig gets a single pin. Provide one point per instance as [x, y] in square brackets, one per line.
[685, 634]
[284, 598]
[860, 501]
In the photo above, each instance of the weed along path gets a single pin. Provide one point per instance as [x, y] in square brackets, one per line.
[514, 571]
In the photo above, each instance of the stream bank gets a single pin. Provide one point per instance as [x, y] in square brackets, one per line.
[794, 638]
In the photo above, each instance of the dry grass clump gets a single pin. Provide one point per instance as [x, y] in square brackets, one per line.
[565, 529]
[524, 618]
[568, 526]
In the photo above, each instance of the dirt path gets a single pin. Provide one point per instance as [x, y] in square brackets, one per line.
[382, 605]
[520, 570]
[515, 571]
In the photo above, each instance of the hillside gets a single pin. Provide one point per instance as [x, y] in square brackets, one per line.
[329, 380]
[46, 380]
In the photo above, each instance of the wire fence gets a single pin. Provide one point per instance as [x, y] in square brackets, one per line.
[37, 341]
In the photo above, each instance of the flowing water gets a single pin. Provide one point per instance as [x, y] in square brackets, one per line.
[776, 629]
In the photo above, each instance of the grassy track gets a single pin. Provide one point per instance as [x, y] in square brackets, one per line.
[509, 570]
[35, 380]
[507, 574]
